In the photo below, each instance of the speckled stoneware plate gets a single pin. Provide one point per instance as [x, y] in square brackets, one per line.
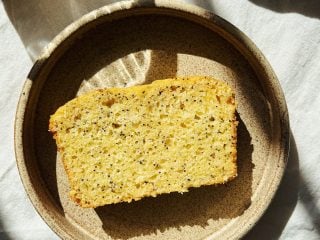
[136, 42]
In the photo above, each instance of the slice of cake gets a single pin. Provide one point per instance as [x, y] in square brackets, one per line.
[123, 144]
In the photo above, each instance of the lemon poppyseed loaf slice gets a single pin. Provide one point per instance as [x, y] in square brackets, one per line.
[123, 144]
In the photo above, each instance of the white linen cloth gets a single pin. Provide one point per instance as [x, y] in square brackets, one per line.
[287, 32]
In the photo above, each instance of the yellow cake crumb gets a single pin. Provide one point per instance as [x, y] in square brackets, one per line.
[123, 144]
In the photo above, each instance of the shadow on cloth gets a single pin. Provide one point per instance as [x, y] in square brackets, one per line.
[3, 234]
[309, 8]
[38, 21]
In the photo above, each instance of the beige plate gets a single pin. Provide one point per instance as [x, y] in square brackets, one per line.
[136, 42]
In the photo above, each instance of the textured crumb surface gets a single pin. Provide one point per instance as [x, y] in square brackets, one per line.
[122, 144]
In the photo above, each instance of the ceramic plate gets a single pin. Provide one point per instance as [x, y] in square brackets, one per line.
[136, 42]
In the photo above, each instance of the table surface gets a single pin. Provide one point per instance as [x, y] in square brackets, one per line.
[287, 32]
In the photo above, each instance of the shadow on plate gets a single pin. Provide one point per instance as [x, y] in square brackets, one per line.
[272, 223]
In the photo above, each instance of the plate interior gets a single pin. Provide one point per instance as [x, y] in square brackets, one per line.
[137, 50]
